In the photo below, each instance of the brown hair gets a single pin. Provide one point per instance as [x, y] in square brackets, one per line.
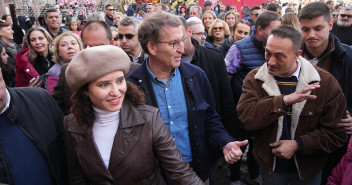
[82, 106]
[32, 55]
[292, 20]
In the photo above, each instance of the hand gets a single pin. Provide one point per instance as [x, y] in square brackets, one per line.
[301, 95]
[346, 123]
[35, 82]
[284, 148]
[232, 151]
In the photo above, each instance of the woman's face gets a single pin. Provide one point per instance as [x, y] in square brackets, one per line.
[242, 31]
[74, 26]
[6, 33]
[208, 19]
[218, 30]
[9, 20]
[4, 56]
[108, 92]
[183, 10]
[231, 20]
[117, 19]
[68, 48]
[39, 42]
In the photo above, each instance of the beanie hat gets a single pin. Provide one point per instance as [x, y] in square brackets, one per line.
[95, 62]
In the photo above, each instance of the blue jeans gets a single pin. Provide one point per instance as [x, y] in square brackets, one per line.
[278, 178]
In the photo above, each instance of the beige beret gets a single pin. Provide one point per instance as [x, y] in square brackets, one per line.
[95, 62]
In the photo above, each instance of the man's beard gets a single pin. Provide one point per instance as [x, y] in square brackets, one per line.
[344, 24]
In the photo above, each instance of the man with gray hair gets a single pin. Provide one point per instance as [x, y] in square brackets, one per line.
[53, 21]
[342, 29]
[198, 31]
[195, 11]
[182, 93]
[128, 28]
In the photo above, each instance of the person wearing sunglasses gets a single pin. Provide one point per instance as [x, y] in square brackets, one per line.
[335, 15]
[109, 14]
[342, 29]
[128, 36]
[325, 50]
[253, 15]
[218, 32]
[182, 93]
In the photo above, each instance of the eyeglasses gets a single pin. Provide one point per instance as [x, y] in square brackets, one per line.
[344, 15]
[255, 14]
[128, 36]
[335, 15]
[176, 43]
[116, 38]
[110, 9]
[232, 8]
[218, 28]
[200, 34]
[150, 4]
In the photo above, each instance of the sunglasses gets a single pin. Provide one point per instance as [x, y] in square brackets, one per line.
[218, 28]
[128, 36]
[110, 9]
[255, 14]
[335, 15]
[116, 38]
[344, 15]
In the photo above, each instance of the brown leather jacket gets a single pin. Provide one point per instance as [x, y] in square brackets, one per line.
[140, 139]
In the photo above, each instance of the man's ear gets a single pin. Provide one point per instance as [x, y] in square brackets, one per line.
[297, 54]
[189, 31]
[152, 48]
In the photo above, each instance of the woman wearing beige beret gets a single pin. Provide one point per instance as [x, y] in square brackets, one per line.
[112, 137]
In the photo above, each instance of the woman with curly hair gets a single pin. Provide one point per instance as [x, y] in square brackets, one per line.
[111, 135]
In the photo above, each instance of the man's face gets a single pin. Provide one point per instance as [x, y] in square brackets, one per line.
[2, 92]
[254, 15]
[315, 32]
[222, 8]
[264, 33]
[198, 33]
[53, 20]
[95, 37]
[168, 49]
[345, 19]
[280, 56]
[188, 42]
[244, 10]
[194, 13]
[109, 11]
[150, 8]
[129, 45]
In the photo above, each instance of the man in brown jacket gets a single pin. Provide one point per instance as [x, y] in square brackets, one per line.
[295, 108]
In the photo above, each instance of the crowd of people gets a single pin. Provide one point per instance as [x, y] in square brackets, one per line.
[159, 94]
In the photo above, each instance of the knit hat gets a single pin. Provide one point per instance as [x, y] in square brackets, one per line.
[207, 3]
[95, 62]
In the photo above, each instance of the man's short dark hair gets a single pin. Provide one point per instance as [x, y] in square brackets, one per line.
[107, 6]
[91, 26]
[264, 19]
[51, 10]
[151, 27]
[314, 10]
[272, 7]
[288, 32]
[245, 7]
[255, 7]
[329, 2]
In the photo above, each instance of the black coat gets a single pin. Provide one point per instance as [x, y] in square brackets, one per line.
[213, 64]
[38, 115]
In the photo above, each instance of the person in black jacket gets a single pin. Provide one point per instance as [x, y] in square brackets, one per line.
[31, 138]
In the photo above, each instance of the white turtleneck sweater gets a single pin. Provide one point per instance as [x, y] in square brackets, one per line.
[104, 131]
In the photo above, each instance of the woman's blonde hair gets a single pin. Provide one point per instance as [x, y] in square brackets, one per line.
[56, 46]
[32, 54]
[292, 20]
[208, 12]
[226, 27]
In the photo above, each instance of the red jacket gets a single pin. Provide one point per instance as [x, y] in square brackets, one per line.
[25, 71]
[341, 174]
